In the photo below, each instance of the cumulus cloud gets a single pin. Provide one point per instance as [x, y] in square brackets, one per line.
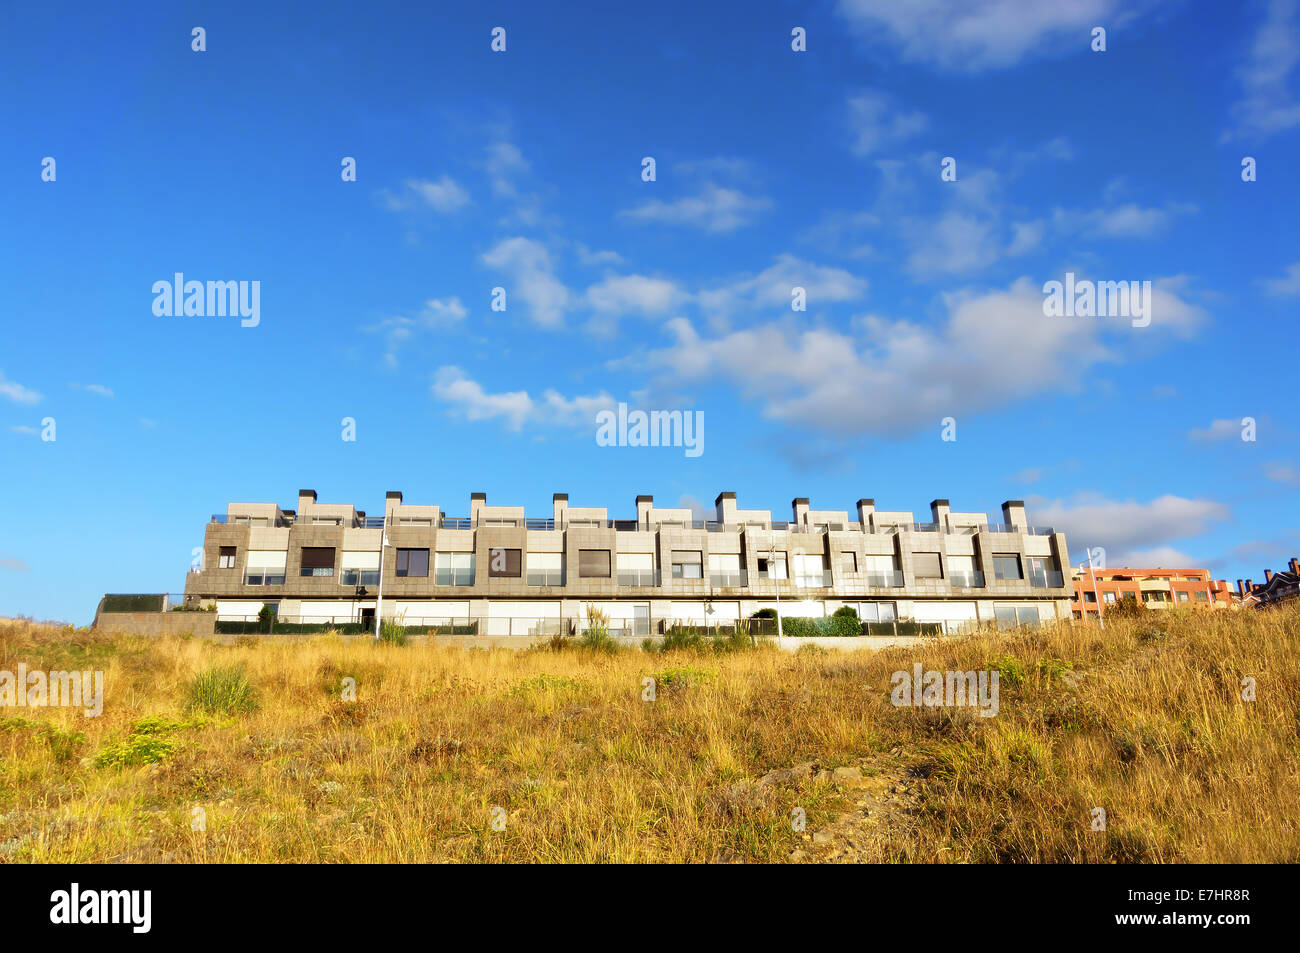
[620, 295]
[877, 123]
[1128, 530]
[13, 565]
[892, 375]
[772, 287]
[437, 314]
[516, 409]
[444, 195]
[1286, 286]
[1225, 428]
[527, 263]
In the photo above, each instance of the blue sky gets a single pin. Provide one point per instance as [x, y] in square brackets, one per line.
[522, 169]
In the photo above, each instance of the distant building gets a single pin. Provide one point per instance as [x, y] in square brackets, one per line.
[499, 572]
[1094, 589]
[1278, 587]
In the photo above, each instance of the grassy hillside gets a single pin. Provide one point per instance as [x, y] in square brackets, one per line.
[1145, 720]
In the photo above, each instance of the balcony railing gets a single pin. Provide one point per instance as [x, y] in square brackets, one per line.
[545, 577]
[359, 577]
[733, 579]
[1046, 580]
[966, 580]
[256, 577]
[893, 579]
[813, 580]
[453, 577]
[638, 577]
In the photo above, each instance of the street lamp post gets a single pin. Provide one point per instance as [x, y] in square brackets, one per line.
[379, 601]
[771, 568]
[1101, 615]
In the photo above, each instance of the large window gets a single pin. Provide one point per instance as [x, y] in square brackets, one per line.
[927, 566]
[810, 570]
[1011, 616]
[317, 561]
[359, 569]
[545, 569]
[724, 569]
[413, 563]
[687, 564]
[636, 569]
[877, 611]
[1007, 567]
[226, 559]
[882, 570]
[266, 567]
[773, 567]
[504, 563]
[453, 569]
[593, 563]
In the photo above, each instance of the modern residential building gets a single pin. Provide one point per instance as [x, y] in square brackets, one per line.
[1094, 589]
[500, 572]
[1278, 587]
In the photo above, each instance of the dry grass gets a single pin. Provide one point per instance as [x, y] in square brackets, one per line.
[1153, 729]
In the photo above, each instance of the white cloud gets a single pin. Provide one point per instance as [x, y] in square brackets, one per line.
[619, 295]
[99, 389]
[1128, 529]
[14, 565]
[1222, 429]
[772, 287]
[894, 376]
[1268, 105]
[504, 164]
[877, 124]
[516, 408]
[443, 195]
[1159, 557]
[437, 314]
[591, 258]
[24, 429]
[1286, 286]
[971, 35]
[532, 279]
[17, 392]
[714, 209]
[1282, 473]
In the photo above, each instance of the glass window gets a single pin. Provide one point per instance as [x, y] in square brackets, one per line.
[687, 564]
[593, 563]
[453, 569]
[227, 558]
[413, 562]
[927, 566]
[317, 561]
[1007, 567]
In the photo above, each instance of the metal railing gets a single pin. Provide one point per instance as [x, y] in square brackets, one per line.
[359, 577]
[892, 579]
[813, 580]
[732, 579]
[638, 577]
[1046, 580]
[545, 577]
[453, 577]
[966, 580]
[264, 578]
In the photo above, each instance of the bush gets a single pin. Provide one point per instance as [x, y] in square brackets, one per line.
[266, 619]
[837, 625]
[392, 631]
[764, 614]
[597, 637]
[1126, 608]
[222, 689]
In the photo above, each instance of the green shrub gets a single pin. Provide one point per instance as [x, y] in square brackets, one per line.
[1126, 608]
[597, 637]
[764, 614]
[222, 689]
[266, 619]
[392, 631]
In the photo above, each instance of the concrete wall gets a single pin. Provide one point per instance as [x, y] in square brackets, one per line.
[157, 623]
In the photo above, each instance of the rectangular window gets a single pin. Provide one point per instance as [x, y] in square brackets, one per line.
[1184, 597]
[453, 569]
[926, 566]
[413, 563]
[593, 563]
[687, 564]
[504, 563]
[1007, 567]
[359, 568]
[1202, 597]
[1089, 597]
[265, 568]
[227, 558]
[849, 562]
[877, 612]
[1009, 617]
[773, 568]
[724, 569]
[545, 569]
[1108, 597]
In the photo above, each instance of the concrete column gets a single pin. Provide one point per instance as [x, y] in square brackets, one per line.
[867, 515]
[559, 503]
[725, 505]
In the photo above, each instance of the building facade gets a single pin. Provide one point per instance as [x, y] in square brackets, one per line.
[1095, 589]
[499, 572]
[1279, 587]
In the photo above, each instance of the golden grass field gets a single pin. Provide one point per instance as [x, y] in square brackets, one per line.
[1145, 720]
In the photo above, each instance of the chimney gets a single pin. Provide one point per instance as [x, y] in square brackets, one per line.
[1268, 576]
[392, 500]
[799, 506]
[866, 514]
[559, 503]
[306, 498]
[644, 504]
[725, 504]
[476, 503]
[1013, 514]
[939, 514]
[1249, 587]
[1241, 587]
[1294, 565]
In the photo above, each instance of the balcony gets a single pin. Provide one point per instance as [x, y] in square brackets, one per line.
[545, 577]
[1046, 580]
[813, 580]
[966, 580]
[453, 577]
[256, 577]
[732, 579]
[638, 577]
[359, 577]
[885, 580]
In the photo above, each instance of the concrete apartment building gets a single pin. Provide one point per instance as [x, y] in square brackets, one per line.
[500, 572]
[1094, 589]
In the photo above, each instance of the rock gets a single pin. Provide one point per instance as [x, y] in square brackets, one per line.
[798, 855]
[848, 774]
[822, 837]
